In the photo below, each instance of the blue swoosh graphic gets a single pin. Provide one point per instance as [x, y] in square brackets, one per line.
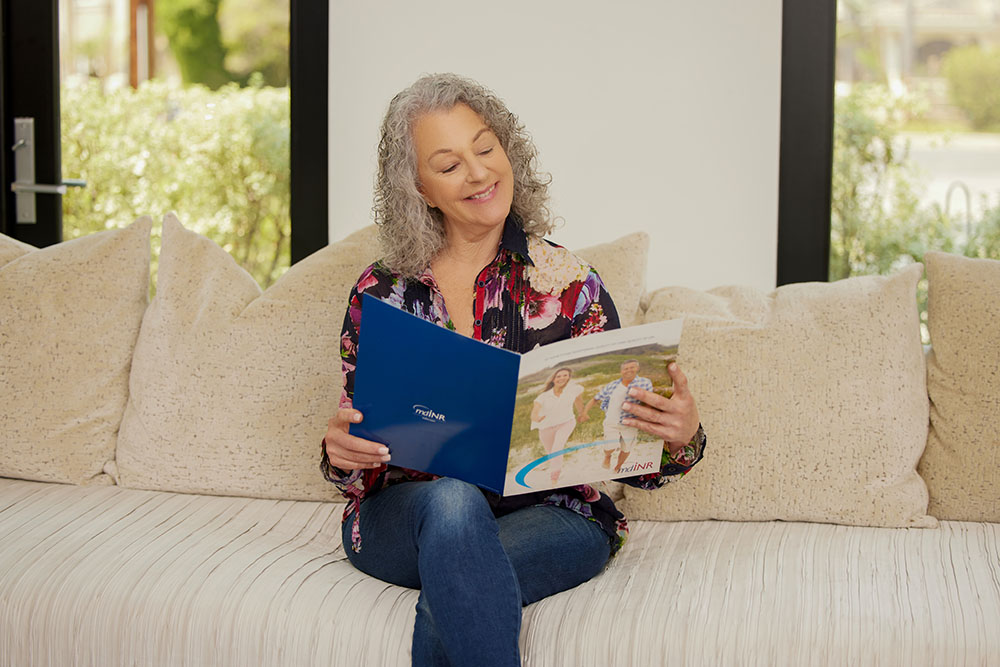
[519, 477]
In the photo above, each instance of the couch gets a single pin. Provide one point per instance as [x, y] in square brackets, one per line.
[161, 501]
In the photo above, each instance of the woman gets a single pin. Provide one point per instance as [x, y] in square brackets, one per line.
[554, 414]
[462, 211]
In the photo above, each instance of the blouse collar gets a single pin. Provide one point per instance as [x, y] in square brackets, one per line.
[514, 241]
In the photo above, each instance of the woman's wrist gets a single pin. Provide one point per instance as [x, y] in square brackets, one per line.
[686, 453]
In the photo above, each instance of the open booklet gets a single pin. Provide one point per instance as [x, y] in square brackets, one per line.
[510, 423]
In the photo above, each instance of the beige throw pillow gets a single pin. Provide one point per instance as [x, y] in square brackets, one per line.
[622, 266]
[814, 402]
[69, 317]
[962, 460]
[231, 388]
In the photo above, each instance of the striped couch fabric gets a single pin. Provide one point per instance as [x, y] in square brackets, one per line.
[113, 576]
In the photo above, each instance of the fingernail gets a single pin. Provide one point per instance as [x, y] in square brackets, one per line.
[356, 417]
[383, 450]
[633, 392]
[672, 367]
[386, 458]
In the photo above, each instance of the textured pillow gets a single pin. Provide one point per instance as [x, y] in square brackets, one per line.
[69, 317]
[622, 266]
[814, 400]
[231, 388]
[962, 460]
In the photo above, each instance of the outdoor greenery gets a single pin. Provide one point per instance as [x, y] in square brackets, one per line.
[220, 159]
[874, 208]
[877, 223]
[192, 28]
[221, 41]
[255, 34]
[973, 74]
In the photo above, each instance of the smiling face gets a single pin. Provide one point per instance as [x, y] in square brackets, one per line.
[560, 379]
[463, 170]
[629, 371]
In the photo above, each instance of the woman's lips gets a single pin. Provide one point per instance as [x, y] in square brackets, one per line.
[484, 195]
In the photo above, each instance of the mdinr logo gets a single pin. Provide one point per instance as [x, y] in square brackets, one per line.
[427, 414]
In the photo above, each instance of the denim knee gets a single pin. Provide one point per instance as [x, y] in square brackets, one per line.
[456, 508]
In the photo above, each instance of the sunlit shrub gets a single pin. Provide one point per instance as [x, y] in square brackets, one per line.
[876, 220]
[220, 159]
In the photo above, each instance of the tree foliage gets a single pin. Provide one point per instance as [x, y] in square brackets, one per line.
[220, 159]
[255, 34]
[876, 221]
[973, 75]
[192, 29]
[219, 41]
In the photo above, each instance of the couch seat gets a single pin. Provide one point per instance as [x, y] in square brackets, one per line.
[113, 576]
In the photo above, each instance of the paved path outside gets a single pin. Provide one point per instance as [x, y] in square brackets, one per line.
[972, 159]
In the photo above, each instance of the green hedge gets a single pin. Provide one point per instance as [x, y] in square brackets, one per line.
[220, 159]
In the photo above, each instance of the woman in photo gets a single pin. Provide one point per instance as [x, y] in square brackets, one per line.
[463, 212]
[554, 414]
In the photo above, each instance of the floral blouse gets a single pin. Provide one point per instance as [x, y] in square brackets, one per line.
[534, 292]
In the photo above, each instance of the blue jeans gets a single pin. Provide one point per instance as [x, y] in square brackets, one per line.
[474, 571]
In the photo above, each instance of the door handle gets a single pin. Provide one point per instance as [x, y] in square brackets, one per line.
[24, 186]
[41, 189]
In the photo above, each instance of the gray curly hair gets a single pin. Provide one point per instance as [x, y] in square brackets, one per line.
[410, 232]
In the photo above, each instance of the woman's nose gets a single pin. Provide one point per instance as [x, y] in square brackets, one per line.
[477, 170]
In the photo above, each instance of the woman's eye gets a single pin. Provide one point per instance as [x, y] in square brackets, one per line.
[450, 169]
[487, 151]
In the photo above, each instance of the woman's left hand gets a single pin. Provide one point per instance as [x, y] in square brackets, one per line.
[674, 419]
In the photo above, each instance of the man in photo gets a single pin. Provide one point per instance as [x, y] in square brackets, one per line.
[611, 397]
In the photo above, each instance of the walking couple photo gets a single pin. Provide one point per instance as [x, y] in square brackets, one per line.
[558, 409]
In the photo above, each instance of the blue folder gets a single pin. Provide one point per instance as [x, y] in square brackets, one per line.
[441, 402]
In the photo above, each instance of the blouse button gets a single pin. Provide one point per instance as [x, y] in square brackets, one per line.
[479, 323]
[481, 283]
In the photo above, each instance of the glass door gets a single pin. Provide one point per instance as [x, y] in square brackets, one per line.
[169, 105]
[162, 105]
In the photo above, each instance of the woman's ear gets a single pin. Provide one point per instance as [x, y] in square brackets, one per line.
[423, 194]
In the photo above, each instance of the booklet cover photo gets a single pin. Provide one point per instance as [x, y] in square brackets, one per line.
[546, 419]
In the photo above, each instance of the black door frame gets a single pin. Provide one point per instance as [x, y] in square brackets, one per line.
[309, 61]
[29, 86]
[808, 52]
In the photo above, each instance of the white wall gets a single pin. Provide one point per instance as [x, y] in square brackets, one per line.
[655, 115]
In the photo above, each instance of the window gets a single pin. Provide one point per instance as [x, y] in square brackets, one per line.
[917, 133]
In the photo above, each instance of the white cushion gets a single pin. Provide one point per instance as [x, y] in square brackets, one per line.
[69, 317]
[813, 398]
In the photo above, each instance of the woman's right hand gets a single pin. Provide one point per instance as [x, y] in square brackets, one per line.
[349, 452]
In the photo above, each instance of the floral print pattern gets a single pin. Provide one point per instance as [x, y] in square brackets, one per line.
[534, 292]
